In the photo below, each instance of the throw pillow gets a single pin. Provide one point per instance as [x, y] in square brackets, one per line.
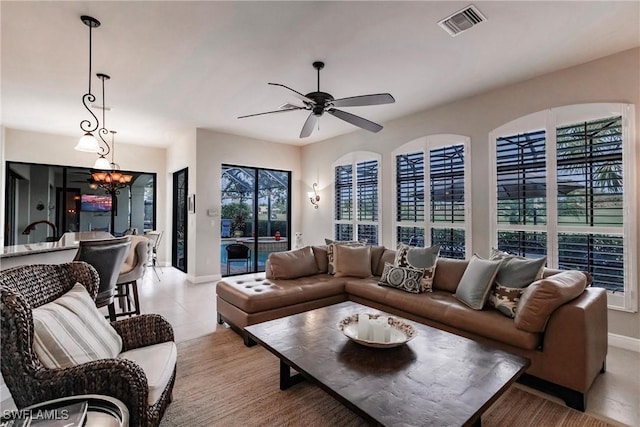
[419, 258]
[505, 300]
[354, 261]
[403, 278]
[331, 249]
[292, 264]
[320, 253]
[544, 296]
[70, 331]
[475, 284]
[515, 273]
[498, 254]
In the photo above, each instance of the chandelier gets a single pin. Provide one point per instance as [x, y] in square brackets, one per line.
[111, 180]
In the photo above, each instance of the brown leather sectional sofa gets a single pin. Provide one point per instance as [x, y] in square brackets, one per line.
[565, 358]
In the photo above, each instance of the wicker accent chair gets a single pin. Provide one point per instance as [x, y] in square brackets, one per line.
[27, 287]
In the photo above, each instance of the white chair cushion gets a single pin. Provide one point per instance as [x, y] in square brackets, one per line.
[70, 331]
[158, 362]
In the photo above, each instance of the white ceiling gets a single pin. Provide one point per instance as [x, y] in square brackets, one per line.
[176, 66]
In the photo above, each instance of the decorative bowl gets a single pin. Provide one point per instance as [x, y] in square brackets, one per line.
[401, 332]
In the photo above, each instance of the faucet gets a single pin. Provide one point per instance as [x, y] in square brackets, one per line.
[29, 228]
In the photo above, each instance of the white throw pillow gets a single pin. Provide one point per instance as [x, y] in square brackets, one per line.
[70, 331]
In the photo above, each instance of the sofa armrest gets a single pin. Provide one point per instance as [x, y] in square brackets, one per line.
[143, 330]
[575, 340]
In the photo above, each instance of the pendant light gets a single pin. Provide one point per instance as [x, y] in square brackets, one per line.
[88, 142]
[102, 162]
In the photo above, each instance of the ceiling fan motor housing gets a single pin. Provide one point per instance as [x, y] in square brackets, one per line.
[321, 100]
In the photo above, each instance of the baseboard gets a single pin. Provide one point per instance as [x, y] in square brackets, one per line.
[625, 342]
[203, 279]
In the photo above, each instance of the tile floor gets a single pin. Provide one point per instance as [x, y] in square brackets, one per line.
[191, 309]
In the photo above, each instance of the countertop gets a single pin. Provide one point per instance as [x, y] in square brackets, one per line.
[67, 241]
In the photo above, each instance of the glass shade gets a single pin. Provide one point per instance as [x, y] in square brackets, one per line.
[88, 143]
[102, 163]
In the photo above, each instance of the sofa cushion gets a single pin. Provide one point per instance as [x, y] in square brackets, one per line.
[70, 331]
[253, 293]
[404, 278]
[376, 256]
[475, 284]
[293, 264]
[449, 271]
[419, 258]
[544, 296]
[388, 256]
[490, 324]
[158, 362]
[331, 249]
[431, 305]
[353, 261]
[320, 253]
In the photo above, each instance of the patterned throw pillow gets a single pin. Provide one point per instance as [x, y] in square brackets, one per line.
[514, 275]
[419, 258]
[70, 331]
[505, 300]
[403, 278]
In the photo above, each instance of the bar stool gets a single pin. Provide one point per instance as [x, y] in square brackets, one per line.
[107, 257]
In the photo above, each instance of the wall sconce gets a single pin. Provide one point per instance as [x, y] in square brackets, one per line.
[314, 197]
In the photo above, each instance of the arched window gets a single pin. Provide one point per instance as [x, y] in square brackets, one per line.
[432, 173]
[357, 196]
[564, 185]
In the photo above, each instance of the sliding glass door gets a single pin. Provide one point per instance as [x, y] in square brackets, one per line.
[255, 217]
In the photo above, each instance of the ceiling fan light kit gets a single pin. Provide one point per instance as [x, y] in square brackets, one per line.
[318, 102]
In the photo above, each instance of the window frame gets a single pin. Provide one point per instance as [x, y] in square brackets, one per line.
[354, 159]
[549, 120]
[425, 145]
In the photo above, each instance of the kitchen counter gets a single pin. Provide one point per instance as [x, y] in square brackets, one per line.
[63, 250]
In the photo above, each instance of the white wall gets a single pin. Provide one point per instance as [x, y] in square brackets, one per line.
[611, 79]
[181, 154]
[214, 149]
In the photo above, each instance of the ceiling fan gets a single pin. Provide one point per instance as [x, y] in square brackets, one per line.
[318, 102]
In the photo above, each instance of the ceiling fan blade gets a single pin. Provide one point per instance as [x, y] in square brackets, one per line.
[308, 125]
[355, 120]
[298, 94]
[270, 112]
[360, 101]
[290, 105]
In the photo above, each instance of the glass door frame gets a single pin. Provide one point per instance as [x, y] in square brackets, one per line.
[176, 212]
[254, 199]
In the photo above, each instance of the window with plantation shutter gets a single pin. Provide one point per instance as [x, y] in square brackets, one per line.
[590, 200]
[357, 219]
[437, 163]
[446, 177]
[568, 191]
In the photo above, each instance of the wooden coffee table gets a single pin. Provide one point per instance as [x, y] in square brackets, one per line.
[437, 378]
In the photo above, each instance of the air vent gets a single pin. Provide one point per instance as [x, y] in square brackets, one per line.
[462, 20]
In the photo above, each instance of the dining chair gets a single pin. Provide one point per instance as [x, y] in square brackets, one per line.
[237, 252]
[107, 257]
[155, 236]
